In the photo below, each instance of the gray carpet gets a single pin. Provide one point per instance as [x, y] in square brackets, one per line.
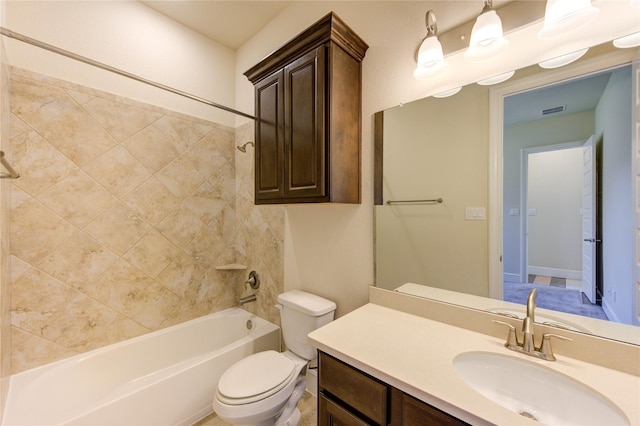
[557, 299]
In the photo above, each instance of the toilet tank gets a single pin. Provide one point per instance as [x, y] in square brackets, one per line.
[300, 314]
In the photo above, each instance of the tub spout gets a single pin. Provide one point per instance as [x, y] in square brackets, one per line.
[247, 299]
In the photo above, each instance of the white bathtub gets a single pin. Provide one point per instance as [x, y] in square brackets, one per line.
[163, 378]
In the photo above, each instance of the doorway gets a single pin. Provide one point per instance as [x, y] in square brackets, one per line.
[617, 189]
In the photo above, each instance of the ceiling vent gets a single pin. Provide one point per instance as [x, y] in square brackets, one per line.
[554, 110]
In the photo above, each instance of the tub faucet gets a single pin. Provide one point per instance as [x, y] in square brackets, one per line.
[247, 299]
[528, 344]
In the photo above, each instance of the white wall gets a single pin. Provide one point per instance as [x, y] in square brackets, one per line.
[613, 127]
[132, 37]
[555, 192]
[550, 131]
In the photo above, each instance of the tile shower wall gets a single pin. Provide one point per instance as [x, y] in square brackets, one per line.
[5, 319]
[120, 216]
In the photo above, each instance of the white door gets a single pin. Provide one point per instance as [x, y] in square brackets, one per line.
[589, 221]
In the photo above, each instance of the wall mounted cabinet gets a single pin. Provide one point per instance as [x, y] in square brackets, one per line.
[308, 108]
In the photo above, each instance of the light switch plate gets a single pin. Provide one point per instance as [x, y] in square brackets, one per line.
[474, 213]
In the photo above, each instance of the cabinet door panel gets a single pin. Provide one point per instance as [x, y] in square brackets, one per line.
[305, 128]
[270, 137]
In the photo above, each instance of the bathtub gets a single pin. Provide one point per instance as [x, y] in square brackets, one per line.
[166, 377]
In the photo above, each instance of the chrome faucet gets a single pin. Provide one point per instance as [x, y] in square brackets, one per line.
[528, 338]
[528, 345]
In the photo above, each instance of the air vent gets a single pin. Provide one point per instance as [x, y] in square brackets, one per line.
[554, 110]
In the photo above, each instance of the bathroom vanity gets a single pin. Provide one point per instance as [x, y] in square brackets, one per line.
[381, 365]
[347, 396]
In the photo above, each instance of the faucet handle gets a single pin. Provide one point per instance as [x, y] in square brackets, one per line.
[512, 338]
[545, 348]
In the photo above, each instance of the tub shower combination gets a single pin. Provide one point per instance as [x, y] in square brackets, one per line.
[168, 377]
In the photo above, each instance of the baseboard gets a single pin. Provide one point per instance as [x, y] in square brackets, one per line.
[609, 312]
[554, 272]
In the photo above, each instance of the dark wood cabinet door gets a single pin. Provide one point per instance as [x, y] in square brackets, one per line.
[416, 412]
[331, 414]
[269, 159]
[304, 142]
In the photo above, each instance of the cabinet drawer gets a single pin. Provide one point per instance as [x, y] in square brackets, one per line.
[361, 392]
[331, 414]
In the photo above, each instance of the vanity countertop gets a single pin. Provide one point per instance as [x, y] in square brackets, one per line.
[415, 355]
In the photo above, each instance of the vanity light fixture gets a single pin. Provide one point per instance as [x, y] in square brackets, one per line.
[448, 93]
[561, 16]
[430, 57]
[496, 79]
[563, 60]
[487, 38]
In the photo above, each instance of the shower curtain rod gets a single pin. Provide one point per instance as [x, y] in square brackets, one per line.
[54, 49]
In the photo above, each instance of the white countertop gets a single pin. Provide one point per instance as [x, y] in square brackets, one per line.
[415, 355]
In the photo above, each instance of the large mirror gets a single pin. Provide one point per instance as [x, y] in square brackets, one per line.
[550, 151]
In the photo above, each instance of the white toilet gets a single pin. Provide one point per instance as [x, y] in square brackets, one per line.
[264, 388]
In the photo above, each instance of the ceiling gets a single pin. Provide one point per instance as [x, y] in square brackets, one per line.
[233, 22]
[230, 23]
[576, 96]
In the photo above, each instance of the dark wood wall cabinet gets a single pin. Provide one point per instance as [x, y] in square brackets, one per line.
[349, 397]
[308, 107]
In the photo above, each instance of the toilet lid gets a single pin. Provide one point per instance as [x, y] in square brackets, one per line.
[255, 377]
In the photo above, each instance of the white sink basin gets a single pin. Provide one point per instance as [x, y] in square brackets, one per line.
[535, 391]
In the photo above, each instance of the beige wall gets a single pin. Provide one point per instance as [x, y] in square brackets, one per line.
[435, 148]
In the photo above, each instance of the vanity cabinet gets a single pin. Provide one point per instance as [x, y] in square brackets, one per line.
[308, 108]
[349, 397]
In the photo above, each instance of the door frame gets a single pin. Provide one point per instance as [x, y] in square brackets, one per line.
[497, 94]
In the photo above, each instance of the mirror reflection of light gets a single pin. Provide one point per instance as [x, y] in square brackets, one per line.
[632, 40]
[448, 93]
[563, 60]
[496, 79]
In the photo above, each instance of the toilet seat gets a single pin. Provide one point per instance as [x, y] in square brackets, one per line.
[256, 377]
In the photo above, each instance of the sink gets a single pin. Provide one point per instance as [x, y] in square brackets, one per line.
[535, 391]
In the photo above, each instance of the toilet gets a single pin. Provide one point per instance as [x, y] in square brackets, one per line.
[264, 388]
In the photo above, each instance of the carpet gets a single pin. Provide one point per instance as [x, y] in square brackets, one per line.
[554, 298]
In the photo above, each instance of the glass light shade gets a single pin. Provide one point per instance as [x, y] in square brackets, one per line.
[563, 60]
[496, 79]
[487, 39]
[632, 40]
[448, 93]
[561, 16]
[430, 59]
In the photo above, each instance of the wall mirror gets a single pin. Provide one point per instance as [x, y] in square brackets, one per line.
[510, 178]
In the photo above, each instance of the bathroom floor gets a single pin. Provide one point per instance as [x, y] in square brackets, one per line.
[307, 407]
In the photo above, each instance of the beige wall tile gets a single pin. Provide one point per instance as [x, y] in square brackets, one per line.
[120, 120]
[77, 135]
[118, 171]
[117, 231]
[78, 198]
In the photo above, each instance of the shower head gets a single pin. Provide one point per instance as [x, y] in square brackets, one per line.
[243, 148]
